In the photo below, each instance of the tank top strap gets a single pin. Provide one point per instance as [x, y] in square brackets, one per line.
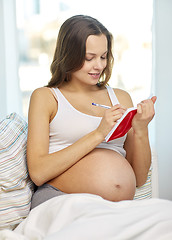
[112, 95]
[54, 93]
[58, 94]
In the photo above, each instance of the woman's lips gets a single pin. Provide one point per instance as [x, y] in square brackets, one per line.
[95, 75]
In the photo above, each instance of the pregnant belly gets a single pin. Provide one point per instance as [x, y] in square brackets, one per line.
[102, 172]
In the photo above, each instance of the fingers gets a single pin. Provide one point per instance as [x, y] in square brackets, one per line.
[117, 111]
[113, 114]
[118, 107]
[139, 109]
[154, 98]
[146, 108]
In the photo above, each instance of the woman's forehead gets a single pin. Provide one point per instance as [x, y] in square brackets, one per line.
[96, 43]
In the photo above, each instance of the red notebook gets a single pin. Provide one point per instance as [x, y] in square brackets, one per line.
[123, 125]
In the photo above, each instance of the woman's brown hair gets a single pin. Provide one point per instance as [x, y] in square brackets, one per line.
[70, 49]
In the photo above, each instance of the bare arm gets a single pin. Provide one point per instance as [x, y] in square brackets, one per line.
[139, 154]
[44, 166]
[137, 146]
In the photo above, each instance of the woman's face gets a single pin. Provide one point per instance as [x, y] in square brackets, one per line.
[95, 60]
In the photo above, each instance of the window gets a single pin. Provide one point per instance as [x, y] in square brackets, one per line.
[130, 22]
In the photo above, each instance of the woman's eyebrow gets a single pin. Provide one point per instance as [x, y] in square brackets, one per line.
[93, 54]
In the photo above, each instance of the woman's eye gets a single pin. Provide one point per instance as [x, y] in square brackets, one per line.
[88, 59]
[104, 57]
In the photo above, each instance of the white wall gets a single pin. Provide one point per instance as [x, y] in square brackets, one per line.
[2, 64]
[10, 96]
[162, 81]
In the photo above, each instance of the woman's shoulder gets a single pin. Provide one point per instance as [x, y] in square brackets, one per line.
[43, 96]
[43, 101]
[123, 97]
[42, 93]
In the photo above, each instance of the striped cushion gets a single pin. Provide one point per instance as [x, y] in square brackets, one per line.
[15, 186]
[145, 191]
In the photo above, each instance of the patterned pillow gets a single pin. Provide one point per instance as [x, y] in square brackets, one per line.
[15, 186]
[145, 191]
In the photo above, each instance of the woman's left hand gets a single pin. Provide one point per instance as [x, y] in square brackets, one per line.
[145, 113]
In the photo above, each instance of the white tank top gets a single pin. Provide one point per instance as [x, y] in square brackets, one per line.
[69, 125]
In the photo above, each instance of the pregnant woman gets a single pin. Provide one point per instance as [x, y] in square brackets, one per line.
[66, 148]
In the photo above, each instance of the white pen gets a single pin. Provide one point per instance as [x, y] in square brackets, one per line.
[104, 106]
[100, 105]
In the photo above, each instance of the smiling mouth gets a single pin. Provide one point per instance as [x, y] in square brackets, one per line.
[94, 74]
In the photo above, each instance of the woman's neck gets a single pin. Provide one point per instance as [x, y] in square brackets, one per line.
[79, 87]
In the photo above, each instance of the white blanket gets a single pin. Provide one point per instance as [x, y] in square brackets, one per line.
[89, 217]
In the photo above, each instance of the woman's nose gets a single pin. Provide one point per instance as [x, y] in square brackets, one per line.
[98, 64]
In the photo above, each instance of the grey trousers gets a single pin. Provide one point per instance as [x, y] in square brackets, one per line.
[44, 193]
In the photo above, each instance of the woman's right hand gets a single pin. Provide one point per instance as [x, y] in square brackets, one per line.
[110, 119]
